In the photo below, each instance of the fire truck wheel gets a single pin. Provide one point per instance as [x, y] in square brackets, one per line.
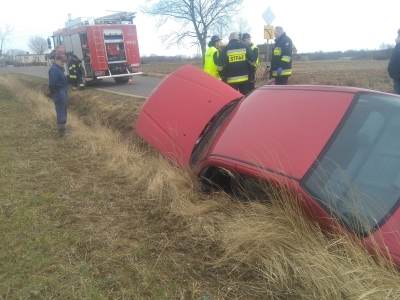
[121, 79]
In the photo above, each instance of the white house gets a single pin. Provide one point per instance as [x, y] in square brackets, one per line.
[30, 58]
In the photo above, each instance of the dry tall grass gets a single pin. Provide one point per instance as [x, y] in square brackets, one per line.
[213, 246]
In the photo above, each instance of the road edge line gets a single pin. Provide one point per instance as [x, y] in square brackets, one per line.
[121, 93]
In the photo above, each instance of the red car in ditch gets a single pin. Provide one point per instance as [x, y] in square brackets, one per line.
[337, 147]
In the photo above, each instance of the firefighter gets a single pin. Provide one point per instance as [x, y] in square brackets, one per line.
[246, 39]
[281, 62]
[58, 87]
[75, 71]
[394, 65]
[236, 59]
[212, 57]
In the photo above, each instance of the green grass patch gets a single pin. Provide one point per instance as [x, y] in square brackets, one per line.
[59, 222]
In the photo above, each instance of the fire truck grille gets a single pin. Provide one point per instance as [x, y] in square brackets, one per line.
[118, 69]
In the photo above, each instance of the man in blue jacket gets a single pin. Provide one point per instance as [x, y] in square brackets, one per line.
[394, 65]
[58, 86]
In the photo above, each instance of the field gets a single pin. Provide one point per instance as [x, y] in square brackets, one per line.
[100, 215]
[359, 73]
[164, 67]
[370, 74]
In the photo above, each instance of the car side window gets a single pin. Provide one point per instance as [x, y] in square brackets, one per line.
[358, 177]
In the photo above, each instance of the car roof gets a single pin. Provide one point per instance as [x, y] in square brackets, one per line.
[305, 87]
[283, 129]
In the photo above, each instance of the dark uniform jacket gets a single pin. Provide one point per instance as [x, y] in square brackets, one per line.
[394, 63]
[236, 59]
[282, 57]
[75, 69]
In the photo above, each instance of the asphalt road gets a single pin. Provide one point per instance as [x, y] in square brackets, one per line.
[141, 86]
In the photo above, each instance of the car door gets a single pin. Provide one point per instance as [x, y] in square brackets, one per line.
[174, 116]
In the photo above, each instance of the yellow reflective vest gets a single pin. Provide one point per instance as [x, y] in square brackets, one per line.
[210, 67]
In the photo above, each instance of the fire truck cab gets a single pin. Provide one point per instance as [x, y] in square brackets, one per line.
[107, 46]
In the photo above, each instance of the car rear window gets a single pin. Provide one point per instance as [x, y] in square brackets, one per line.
[357, 178]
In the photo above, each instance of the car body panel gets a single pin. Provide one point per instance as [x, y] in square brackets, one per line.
[387, 238]
[281, 130]
[174, 116]
[313, 208]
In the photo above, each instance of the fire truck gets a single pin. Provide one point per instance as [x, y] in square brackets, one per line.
[107, 46]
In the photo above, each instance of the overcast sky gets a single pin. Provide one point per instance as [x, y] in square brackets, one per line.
[313, 25]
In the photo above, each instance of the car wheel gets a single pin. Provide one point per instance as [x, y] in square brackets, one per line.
[217, 179]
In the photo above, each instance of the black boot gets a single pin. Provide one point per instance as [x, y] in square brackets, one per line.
[61, 129]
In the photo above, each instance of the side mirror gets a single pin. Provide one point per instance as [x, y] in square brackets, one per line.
[49, 43]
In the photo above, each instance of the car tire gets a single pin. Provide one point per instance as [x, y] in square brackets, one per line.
[217, 179]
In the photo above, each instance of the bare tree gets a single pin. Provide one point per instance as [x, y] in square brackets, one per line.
[243, 26]
[37, 44]
[198, 17]
[222, 29]
[4, 35]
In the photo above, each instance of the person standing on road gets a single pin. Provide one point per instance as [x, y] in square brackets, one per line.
[394, 65]
[212, 57]
[58, 87]
[246, 39]
[281, 62]
[236, 59]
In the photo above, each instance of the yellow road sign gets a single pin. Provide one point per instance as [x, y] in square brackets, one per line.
[268, 32]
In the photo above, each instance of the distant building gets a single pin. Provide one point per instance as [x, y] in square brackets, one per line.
[27, 59]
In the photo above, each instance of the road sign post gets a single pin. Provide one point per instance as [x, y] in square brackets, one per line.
[268, 17]
[268, 32]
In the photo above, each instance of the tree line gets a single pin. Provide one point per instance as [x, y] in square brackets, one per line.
[381, 54]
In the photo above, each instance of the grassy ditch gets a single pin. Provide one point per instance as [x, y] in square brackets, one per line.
[96, 215]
